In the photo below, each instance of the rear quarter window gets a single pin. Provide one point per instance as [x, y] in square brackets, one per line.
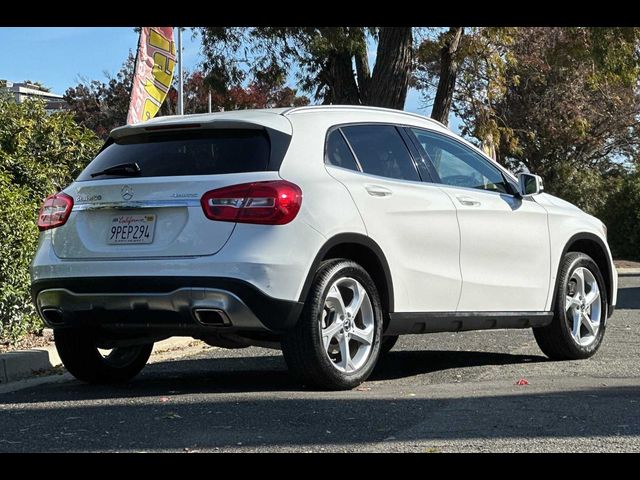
[202, 152]
[381, 151]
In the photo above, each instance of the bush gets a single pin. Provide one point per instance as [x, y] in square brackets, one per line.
[18, 238]
[39, 154]
[621, 214]
[587, 188]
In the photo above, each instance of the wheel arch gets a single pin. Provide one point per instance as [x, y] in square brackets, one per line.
[362, 250]
[595, 247]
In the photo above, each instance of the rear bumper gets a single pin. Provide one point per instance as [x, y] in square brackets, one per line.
[170, 304]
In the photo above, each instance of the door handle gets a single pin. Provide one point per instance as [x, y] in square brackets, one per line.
[468, 201]
[377, 191]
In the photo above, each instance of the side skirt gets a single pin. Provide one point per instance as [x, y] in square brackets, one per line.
[431, 322]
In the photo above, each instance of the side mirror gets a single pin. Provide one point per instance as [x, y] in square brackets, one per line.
[530, 184]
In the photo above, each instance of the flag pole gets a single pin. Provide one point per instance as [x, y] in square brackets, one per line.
[130, 118]
[180, 86]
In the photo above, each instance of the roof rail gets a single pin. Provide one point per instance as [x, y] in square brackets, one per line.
[361, 107]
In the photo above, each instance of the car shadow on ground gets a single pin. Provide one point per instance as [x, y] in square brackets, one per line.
[628, 298]
[405, 363]
[251, 374]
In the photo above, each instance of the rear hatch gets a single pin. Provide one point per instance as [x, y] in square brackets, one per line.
[149, 204]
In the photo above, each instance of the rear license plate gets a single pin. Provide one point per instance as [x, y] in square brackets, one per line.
[131, 229]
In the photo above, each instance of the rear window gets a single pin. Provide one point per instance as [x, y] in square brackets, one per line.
[203, 152]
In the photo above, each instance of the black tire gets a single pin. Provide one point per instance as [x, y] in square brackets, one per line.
[387, 343]
[82, 359]
[303, 348]
[555, 340]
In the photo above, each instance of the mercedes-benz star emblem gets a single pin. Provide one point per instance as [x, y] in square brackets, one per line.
[127, 192]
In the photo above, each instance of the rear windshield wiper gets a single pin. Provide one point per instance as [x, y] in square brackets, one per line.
[126, 169]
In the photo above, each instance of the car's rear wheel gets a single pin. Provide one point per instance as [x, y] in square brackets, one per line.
[79, 354]
[336, 342]
[580, 312]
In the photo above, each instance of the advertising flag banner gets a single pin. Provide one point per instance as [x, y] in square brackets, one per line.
[155, 62]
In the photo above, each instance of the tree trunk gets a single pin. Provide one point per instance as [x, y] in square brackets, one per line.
[363, 75]
[340, 81]
[390, 79]
[448, 74]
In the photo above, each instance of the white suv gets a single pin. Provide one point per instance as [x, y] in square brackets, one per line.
[325, 231]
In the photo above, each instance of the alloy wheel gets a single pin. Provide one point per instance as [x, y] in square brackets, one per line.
[583, 306]
[347, 325]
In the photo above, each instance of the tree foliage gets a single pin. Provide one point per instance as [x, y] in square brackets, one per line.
[621, 213]
[332, 63]
[258, 94]
[102, 106]
[39, 154]
[38, 85]
[560, 102]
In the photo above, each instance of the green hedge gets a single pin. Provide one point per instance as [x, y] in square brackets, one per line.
[18, 238]
[621, 214]
[39, 154]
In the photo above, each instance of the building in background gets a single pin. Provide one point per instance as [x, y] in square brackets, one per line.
[24, 91]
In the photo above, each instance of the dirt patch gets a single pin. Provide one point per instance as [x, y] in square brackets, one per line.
[30, 341]
[626, 264]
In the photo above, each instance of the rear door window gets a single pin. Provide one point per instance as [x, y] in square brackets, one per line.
[203, 152]
[381, 151]
[338, 152]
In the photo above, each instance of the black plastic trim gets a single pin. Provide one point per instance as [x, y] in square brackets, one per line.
[426, 161]
[280, 142]
[353, 238]
[421, 166]
[608, 275]
[432, 322]
[275, 314]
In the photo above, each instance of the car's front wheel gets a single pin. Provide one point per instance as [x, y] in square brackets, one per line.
[81, 357]
[336, 342]
[580, 312]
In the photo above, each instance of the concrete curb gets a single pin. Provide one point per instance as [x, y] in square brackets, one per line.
[23, 364]
[628, 271]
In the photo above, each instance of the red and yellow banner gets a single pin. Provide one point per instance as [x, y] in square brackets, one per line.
[153, 75]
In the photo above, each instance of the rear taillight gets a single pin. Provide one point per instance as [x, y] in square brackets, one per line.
[271, 203]
[55, 211]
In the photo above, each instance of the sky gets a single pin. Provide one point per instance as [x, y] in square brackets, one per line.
[61, 57]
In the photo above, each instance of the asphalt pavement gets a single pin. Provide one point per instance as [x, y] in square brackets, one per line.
[448, 392]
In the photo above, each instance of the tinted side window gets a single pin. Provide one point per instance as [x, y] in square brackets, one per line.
[460, 166]
[203, 152]
[381, 151]
[338, 152]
